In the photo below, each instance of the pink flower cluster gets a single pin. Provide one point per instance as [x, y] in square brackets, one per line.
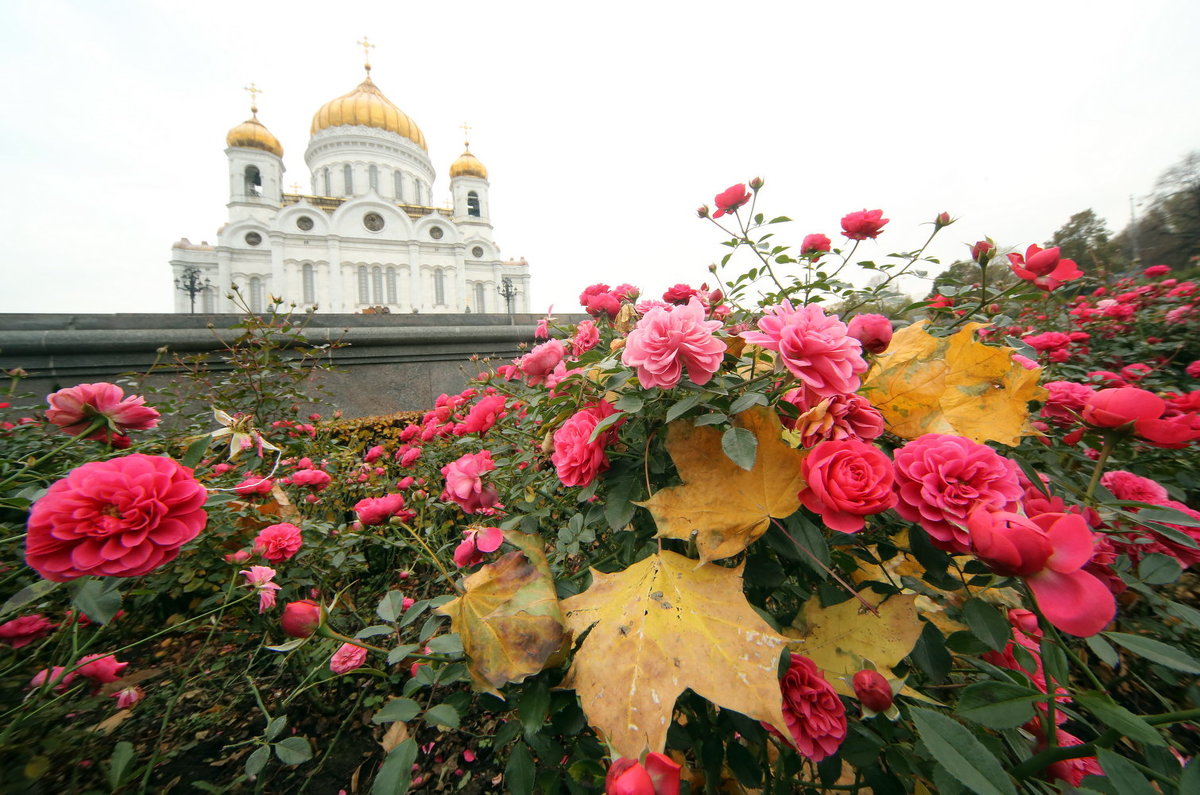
[668, 340]
[815, 348]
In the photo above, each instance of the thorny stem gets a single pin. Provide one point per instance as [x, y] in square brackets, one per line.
[96, 425]
[916, 256]
[1110, 440]
[436, 561]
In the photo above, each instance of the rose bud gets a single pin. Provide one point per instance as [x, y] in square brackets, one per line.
[756, 183]
[982, 251]
[873, 690]
[301, 619]
[1112, 408]
[873, 331]
[702, 211]
[943, 219]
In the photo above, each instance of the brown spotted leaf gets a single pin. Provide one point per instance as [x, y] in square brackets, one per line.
[955, 385]
[657, 628]
[509, 618]
[726, 506]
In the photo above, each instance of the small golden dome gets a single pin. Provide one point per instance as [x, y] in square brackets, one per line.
[468, 165]
[253, 134]
[367, 106]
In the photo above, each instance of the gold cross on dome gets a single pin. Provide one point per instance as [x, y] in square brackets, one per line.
[367, 46]
[296, 188]
[253, 91]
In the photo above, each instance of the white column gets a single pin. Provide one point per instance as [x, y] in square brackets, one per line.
[416, 298]
[224, 279]
[337, 301]
[460, 280]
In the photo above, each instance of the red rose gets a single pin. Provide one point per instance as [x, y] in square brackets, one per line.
[118, 518]
[982, 251]
[730, 199]
[1044, 267]
[679, 294]
[100, 668]
[815, 243]
[815, 716]
[847, 480]
[278, 542]
[75, 408]
[301, 619]
[873, 690]
[873, 331]
[576, 459]
[863, 225]
[25, 630]
[1112, 408]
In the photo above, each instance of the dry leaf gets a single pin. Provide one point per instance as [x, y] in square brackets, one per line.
[839, 638]
[396, 734]
[728, 507]
[661, 626]
[509, 618]
[955, 385]
[109, 724]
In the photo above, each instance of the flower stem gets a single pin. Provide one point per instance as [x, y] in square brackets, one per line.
[1110, 441]
[436, 562]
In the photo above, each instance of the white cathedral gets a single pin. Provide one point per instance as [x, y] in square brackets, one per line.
[367, 238]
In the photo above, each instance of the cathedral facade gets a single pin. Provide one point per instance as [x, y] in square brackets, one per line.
[365, 237]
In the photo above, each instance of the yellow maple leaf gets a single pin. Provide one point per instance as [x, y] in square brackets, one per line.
[658, 627]
[841, 637]
[727, 507]
[955, 385]
[509, 619]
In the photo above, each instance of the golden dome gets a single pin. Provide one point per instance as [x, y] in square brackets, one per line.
[468, 165]
[253, 134]
[367, 106]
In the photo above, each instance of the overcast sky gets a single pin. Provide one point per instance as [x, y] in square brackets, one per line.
[603, 126]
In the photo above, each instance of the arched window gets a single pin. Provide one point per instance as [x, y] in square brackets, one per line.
[256, 294]
[399, 186]
[439, 287]
[377, 285]
[373, 177]
[391, 286]
[308, 283]
[364, 297]
[348, 180]
[473, 204]
[328, 190]
[253, 181]
[480, 305]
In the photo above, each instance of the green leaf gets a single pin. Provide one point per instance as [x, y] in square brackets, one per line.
[630, 404]
[1119, 718]
[1190, 780]
[930, 653]
[450, 643]
[118, 763]
[618, 508]
[257, 760]
[711, 419]
[442, 715]
[1184, 613]
[97, 598]
[372, 631]
[391, 606]
[957, 750]
[746, 401]
[534, 706]
[519, 772]
[998, 705]
[987, 623]
[1167, 516]
[741, 446]
[195, 451]
[1155, 651]
[293, 750]
[28, 594]
[395, 774]
[683, 406]
[276, 726]
[1159, 569]
[397, 709]
[1125, 778]
[400, 652]
[605, 424]
[295, 643]
[1103, 649]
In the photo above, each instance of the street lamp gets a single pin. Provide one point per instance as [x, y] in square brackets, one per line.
[508, 292]
[189, 282]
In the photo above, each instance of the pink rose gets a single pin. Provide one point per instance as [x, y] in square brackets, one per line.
[128, 696]
[863, 225]
[586, 337]
[679, 294]
[598, 300]
[1156, 270]
[731, 199]
[816, 719]
[846, 481]
[374, 454]
[1047, 341]
[1113, 408]
[278, 542]
[576, 459]
[541, 361]
[301, 618]
[123, 517]
[254, 484]
[1128, 486]
[815, 244]
[316, 478]
[100, 668]
[464, 482]
[75, 408]
[410, 456]
[816, 349]
[846, 416]
[873, 331]
[259, 577]
[377, 510]
[477, 541]
[659, 776]
[54, 675]
[665, 341]
[1066, 401]
[1044, 267]
[347, 658]
[25, 630]
[941, 479]
[1049, 551]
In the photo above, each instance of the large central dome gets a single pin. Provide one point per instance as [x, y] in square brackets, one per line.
[366, 106]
